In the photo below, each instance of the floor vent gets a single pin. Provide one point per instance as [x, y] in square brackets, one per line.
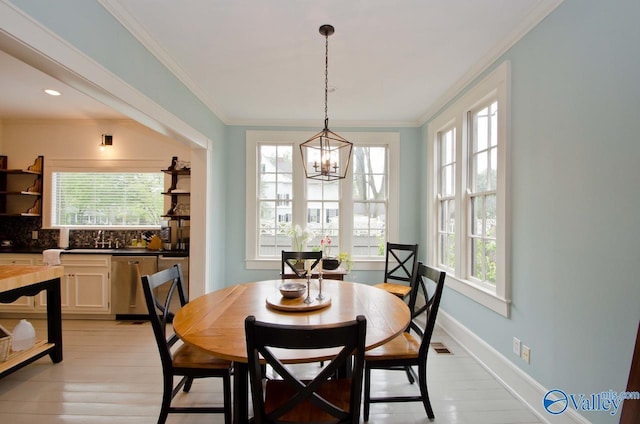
[131, 322]
[441, 348]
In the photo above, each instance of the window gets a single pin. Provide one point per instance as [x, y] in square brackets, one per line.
[104, 195]
[446, 199]
[468, 142]
[359, 213]
[275, 197]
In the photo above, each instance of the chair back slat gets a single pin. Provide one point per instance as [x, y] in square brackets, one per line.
[428, 283]
[159, 308]
[401, 262]
[291, 258]
[264, 340]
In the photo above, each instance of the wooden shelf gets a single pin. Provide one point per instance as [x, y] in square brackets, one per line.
[39, 349]
[11, 188]
[177, 171]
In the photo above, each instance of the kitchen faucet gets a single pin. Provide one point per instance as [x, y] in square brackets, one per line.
[100, 241]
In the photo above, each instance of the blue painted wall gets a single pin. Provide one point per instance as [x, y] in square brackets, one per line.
[575, 201]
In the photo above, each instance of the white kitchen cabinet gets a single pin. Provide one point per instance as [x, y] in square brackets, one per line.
[85, 286]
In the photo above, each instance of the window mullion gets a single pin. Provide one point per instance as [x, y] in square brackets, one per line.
[462, 200]
[346, 212]
[299, 208]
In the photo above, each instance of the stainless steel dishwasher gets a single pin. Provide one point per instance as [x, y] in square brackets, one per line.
[126, 288]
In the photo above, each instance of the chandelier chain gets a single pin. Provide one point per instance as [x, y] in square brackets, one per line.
[326, 80]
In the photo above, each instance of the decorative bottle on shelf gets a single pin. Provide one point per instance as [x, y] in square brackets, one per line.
[174, 163]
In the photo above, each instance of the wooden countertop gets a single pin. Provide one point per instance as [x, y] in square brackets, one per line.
[17, 276]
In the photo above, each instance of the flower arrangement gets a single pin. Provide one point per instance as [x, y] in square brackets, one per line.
[325, 246]
[299, 237]
[333, 262]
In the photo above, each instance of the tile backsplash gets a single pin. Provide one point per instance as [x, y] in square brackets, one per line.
[20, 230]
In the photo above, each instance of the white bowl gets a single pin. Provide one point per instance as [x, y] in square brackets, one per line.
[292, 290]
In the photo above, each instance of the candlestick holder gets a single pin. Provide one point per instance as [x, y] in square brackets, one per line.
[308, 299]
[320, 295]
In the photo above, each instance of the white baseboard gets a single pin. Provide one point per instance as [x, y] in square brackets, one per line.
[519, 383]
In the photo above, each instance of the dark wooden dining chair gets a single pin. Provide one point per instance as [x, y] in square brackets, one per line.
[408, 350]
[291, 258]
[289, 399]
[399, 269]
[183, 360]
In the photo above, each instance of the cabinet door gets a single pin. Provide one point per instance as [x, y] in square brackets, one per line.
[86, 285]
[89, 289]
[25, 303]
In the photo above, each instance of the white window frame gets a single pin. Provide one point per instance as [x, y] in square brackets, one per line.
[495, 85]
[95, 165]
[295, 138]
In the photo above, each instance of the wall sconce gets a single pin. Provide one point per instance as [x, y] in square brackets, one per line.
[107, 140]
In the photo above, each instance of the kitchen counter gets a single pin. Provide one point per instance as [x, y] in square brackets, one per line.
[113, 252]
[17, 281]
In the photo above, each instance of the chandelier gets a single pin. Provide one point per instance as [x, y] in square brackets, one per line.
[326, 155]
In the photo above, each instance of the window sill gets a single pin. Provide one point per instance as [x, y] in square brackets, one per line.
[358, 265]
[480, 295]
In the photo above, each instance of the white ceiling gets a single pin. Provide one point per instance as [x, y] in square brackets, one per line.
[262, 62]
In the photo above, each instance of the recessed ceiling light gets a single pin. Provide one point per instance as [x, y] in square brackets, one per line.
[52, 92]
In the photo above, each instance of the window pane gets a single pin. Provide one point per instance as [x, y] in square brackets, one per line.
[369, 173]
[480, 172]
[490, 215]
[323, 210]
[107, 198]
[493, 180]
[477, 214]
[477, 256]
[481, 131]
[369, 228]
[451, 217]
[494, 123]
[451, 251]
[490, 261]
[268, 189]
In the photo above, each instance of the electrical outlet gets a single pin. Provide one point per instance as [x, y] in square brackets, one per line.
[516, 346]
[34, 235]
[526, 354]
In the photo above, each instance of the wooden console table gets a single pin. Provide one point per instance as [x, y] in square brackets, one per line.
[26, 280]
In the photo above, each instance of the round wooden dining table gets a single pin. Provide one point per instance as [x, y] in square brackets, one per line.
[214, 322]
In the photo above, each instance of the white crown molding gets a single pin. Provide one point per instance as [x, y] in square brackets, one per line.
[317, 124]
[134, 27]
[537, 14]
[31, 42]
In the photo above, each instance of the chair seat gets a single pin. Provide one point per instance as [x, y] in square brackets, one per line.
[336, 391]
[189, 357]
[405, 346]
[399, 290]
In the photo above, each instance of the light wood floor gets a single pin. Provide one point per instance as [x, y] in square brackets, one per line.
[111, 374]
